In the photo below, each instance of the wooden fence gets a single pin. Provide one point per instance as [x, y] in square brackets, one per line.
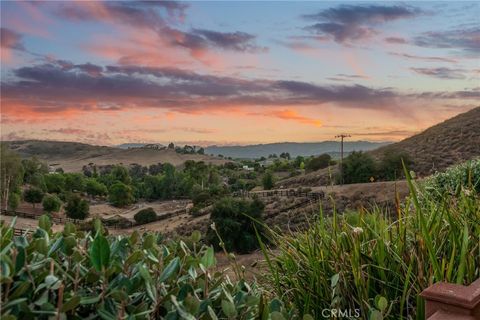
[280, 193]
[114, 224]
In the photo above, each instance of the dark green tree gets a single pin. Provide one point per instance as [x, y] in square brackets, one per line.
[33, 195]
[391, 167]
[51, 203]
[11, 173]
[358, 167]
[268, 180]
[120, 195]
[95, 188]
[317, 163]
[235, 221]
[55, 182]
[77, 208]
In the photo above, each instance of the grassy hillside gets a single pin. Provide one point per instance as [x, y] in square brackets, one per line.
[72, 156]
[452, 141]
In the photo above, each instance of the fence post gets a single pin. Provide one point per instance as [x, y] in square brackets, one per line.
[452, 301]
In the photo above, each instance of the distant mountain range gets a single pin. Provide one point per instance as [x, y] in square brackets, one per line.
[294, 148]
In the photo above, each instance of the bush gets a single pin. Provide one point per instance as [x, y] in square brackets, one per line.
[120, 195]
[352, 260]
[51, 203]
[55, 182]
[358, 167]
[317, 163]
[33, 195]
[235, 228]
[14, 200]
[454, 179]
[95, 188]
[145, 216]
[77, 208]
[391, 165]
[268, 180]
[122, 277]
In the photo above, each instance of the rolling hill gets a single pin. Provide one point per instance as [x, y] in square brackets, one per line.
[72, 156]
[294, 148]
[450, 142]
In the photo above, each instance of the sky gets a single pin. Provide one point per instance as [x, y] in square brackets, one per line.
[227, 73]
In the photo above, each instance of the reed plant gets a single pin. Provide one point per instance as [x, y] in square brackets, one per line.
[375, 263]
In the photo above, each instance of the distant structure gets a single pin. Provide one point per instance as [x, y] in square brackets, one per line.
[342, 136]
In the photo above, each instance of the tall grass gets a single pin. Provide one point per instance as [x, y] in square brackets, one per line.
[351, 261]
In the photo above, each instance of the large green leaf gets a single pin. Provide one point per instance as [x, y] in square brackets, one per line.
[170, 269]
[100, 252]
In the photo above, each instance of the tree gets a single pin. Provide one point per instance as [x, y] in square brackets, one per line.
[77, 208]
[391, 166]
[95, 188]
[120, 195]
[358, 167]
[51, 203]
[171, 145]
[33, 166]
[235, 221]
[33, 195]
[268, 180]
[120, 174]
[320, 162]
[74, 182]
[145, 216]
[13, 201]
[55, 182]
[11, 172]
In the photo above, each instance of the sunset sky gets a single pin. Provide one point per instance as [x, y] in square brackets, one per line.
[235, 72]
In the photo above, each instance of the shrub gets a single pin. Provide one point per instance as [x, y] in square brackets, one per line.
[268, 180]
[233, 222]
[55, 182]
[51, 203]
[391, 164]
[70, 275]
[33, 195]
[348, 262]
[120, 195]
[317, 163]
[358, 167]
[77, 208]
[14, 200]
[95, 188]
[145, 216]
[454, 179]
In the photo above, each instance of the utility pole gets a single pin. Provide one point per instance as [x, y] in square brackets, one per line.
[342, 136]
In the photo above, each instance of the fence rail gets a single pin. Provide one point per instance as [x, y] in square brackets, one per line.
[281, 193]
[114, 224]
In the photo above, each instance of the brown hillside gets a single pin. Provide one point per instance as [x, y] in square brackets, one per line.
[72, 156]
[447, 143]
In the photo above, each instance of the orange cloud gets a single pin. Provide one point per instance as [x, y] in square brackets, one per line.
[289, 114]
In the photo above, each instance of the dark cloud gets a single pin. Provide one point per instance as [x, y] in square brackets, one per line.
[441, 73]
[150, 15]
[423, 58]
[466, 40]
[355, 22]
[396, 40]
[11, 39]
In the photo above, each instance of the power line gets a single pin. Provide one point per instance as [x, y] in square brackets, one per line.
[342, 136]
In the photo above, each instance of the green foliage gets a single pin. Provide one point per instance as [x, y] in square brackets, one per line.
[120, 174]
[391, 165]
[74, 182]
[77, 208]
[95, 188]
[55, 183]
[120, 195]
[14, 200]
[52, 275]
[51, 203]
[145, 216]
[465, 176]
[358, 167]
[235, 221]
[11, 172]
[33, 195]
[380, 263]
[268, 180]
[32, 169]
[317, 163]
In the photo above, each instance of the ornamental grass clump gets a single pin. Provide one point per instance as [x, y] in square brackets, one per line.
[375, 264]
